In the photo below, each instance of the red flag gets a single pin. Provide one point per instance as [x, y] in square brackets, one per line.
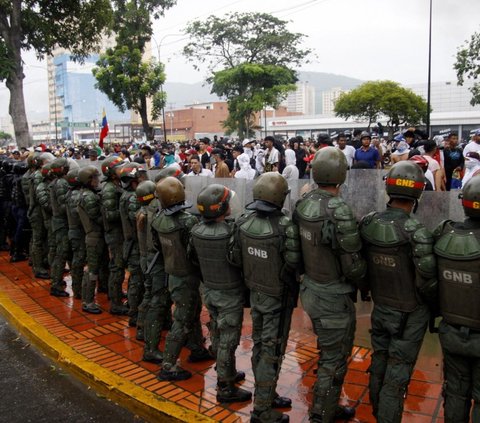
[104, 131]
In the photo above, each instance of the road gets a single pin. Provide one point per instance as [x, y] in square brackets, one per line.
[35, 389]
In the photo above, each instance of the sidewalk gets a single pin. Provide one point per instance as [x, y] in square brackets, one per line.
[102, 351]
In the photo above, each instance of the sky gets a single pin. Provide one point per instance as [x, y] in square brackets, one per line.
[364, 39]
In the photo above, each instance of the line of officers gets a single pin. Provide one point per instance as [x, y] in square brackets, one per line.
[265, 260]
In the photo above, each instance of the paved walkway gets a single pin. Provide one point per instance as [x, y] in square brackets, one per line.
[102, 350]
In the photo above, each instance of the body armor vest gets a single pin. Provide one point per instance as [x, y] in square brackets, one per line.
[151, 210]
[391, 270]
[262, 241]
[142, 224]
[18, 198]
[173, 240]
[73, 217]
[317, 230]
[90, 226]
[129, 230]
[25, 182]
[211, 245]
[458, 252]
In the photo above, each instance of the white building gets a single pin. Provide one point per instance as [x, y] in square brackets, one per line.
[329, 98]
[302, 100]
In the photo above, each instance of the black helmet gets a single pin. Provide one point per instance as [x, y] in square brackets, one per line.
[145, 192]
[329, 166]
[471, 197]
[20, 168]
[324, 138]
[269, 192]
[213, 201]
[365, 134]
[86, 174]
[405, 179]
[170, 192]
[7, 166]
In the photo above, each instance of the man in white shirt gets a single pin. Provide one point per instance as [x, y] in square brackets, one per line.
[347, 150]
[272, 155]
[474, 145]
[197, 169]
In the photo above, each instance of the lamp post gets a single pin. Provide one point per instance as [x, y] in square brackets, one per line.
[159, 45]
[429, 71]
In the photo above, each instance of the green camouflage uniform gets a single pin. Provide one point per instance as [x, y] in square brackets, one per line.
[330, 249]
[401, 273]
[42, 193]
[267, 247]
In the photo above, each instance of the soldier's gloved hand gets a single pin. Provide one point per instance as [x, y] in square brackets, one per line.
[365, 296]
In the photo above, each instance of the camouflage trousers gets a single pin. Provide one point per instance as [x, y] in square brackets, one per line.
[226, 316]
[461, 370]
[396, 341]
[333, 321]
[97, 263]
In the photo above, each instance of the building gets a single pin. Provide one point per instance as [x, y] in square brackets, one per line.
[74, 102]
[329, 98]
[302, 100]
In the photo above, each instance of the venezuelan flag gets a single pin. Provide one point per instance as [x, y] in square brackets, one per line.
[104, 131]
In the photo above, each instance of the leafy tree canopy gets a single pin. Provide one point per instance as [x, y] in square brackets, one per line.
[376, 99]
[467, 66]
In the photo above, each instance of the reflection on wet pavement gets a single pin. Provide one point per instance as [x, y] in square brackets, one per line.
[108, 341]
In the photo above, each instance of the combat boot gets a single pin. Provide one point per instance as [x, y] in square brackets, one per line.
[91, 308]
[118, 310]
[268, 416]
[227, 392]
[281, 402]
[175, 373]
[155, 356]
[58, 292]
[200, 355]
[343, 412]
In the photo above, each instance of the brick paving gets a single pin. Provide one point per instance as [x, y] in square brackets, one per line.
[108, 341]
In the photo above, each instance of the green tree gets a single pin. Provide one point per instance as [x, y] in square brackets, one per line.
[121, 73]
[249, 57]
[467, 66]
[5, 137]
[41, 26]
[374, 100]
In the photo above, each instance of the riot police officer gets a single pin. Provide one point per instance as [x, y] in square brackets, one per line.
[110, 207]
[172, 227]
[91, 218]
[223, 287]
[76, 234]
[267, 246]
[58, 191]
[330, 249]
[131, 174]
[402, 276]
[156, 299]
[457, 248]
[19, 211]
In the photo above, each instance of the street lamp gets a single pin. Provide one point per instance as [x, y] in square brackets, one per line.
[429, 71]
[159, 45]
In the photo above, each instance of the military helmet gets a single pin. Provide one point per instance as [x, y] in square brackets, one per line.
[110, 164]
[471, 197]
[7, 165]
[329, 166]
[213, 201]
[60, 167]
[46, 158]
[145, 192]
[365, 134]
[272, 188]
[31, 159]
[20, 168]
[405, 179]
[170, 191]
[72, 177]
[130, 171]
[46, 168]
[86, 174]
[174, 171]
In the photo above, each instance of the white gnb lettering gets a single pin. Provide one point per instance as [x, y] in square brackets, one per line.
[462, 277]
[384, 260]
[305, 234]
[257, 252]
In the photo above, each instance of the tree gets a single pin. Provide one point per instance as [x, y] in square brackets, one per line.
[76, 25]
[382, 99]
[121, 73]
[249, 57]
[467, 66]
[5, 138]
